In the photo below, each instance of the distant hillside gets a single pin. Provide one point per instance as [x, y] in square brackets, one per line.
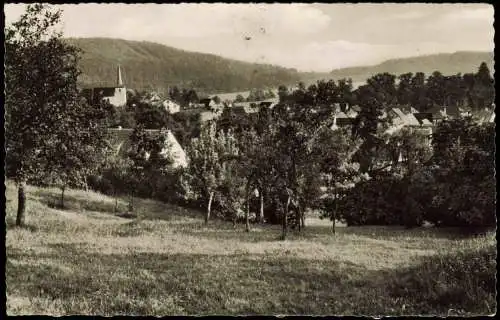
[150, 65]
[446, 63]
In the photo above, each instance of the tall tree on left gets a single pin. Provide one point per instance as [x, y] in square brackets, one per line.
[42, 101]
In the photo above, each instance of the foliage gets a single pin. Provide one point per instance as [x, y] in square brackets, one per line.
[51, 134]
[259, 95]
[208, 168]
[465, 175]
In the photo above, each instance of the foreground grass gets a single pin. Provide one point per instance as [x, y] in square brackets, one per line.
[88, 260]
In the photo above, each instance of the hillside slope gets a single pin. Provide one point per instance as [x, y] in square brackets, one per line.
[89, 259]
[446, 63]
[151, 65]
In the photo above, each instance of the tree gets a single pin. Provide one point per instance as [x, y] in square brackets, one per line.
[419, 99]
[40, 84]
[334, 153]
[383, 89]
[292, 130]
[465, 174]
[78, 147]
[216, 99]
[175, 94]
[484, 87]
[415, 152]
[345, 95]
[404, 90]
[254, 165]
[367, 125]
[283, 93]
[239, 98]
[256, 95]
[270, 94]
[436, 89]
[207, 156]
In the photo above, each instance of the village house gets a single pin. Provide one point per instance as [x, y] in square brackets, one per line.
[344, 118]
[121, 144]
[245, 107]
[116, 96]
[209, 115]
[486, 115]
[171, 106]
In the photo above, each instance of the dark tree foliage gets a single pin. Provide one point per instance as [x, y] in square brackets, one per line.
[51, 135]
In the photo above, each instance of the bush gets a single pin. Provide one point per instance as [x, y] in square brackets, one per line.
[379, 201]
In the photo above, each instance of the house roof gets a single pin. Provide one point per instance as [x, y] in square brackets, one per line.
[399, 113]
[341, 115]
[407, 109]
[356, 108]
[484, 115]
[411, 120]
[351, 113]
[246, 107]
[120, 140]
[425, 122]
[208, 115]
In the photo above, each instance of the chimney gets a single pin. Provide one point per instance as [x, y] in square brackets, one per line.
[119, 81]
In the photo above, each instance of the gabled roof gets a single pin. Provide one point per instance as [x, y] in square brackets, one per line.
[399, 113]
[120, 140]
[407, 109]
[410, 120]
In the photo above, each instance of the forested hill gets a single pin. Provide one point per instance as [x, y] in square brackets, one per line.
[446, 63]
[150, 65]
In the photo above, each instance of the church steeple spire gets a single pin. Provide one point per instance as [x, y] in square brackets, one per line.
[119, 81]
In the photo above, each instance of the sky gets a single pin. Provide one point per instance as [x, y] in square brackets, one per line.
[308, 37]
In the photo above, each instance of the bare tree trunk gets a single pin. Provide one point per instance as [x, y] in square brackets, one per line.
[298, 217]
[334, 213]
[303, 219]
[116, 200]
[261, 213]
[85, 183]
[21, 204]
[247, 213]
[247, 209]
[333, 223]
[131, 203]
[209, 207]
[62, 197]
[285, 220]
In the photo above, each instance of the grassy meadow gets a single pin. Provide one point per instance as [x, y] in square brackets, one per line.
[87, 259]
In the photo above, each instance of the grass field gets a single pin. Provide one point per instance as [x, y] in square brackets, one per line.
[88, 260]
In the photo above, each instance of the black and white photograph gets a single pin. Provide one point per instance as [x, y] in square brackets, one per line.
[239, 159]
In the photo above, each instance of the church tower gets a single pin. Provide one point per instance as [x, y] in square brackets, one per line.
[119, 99]
[119, 80]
